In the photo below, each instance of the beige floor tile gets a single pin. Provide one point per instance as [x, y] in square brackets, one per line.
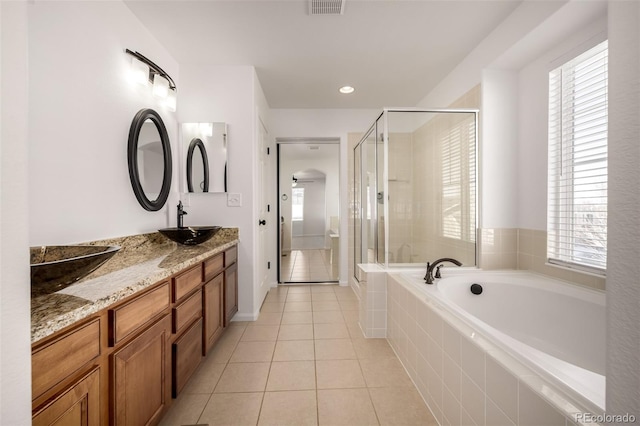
[185, 410]
[299, 289]
[253, 352]
[323, 288]
[232, 409]
[205, 378]
[296, 332]
[372, 348]
[295, 408]
[223, 349]
[335, 349]
[324, 297]
[297, 307]
[267, 318]
[292, 375]
[279, 297]
[345, 407]
[260, 333]
[272, 307]
[339, 374]
[384, 372]
[294, 350]
[354, 330]
[351, 316]
[244, 377]
[349, 305]
[297, 318]
[325, 306]
[400, 406]
[330, 331]
[239, 323]
[299, 297]
[233, 333]
[324, 317]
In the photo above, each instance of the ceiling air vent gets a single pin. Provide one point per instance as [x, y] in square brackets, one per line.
[326, 7]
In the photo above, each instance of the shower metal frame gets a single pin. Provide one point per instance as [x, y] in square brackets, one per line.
[385, 120]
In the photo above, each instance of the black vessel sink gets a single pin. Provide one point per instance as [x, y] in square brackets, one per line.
[56, 267]
[190, 235]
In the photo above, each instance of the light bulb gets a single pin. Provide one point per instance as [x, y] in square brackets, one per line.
[139, 72]
[171, 100]
[160, 86]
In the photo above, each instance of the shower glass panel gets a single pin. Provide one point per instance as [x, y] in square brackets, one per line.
[381, 195]
[424, 170]
[357, 204]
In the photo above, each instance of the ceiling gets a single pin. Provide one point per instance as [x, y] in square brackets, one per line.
[392, 51]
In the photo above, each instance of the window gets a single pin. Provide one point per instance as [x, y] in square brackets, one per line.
[297, 203]
[458, 180]
[577, 192]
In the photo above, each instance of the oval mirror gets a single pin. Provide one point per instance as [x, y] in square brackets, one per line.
[149, 157]
[197, 167]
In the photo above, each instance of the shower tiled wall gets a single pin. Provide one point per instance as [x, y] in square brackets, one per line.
[526, 249]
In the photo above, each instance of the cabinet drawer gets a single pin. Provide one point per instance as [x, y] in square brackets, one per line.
[184, 283]
[127, 318]
[58, 360]
[213, 266]
[188, 311]
[187, 354]
[230, 256]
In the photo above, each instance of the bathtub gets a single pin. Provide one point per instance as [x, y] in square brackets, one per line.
[554, 329]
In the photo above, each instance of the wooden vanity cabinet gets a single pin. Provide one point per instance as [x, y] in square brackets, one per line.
[230, 284]
[140, 373]
[122, 365]
[66, 377]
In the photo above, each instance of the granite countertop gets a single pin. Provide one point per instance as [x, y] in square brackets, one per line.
[142, 261]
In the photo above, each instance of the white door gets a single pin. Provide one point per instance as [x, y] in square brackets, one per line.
[264, 259]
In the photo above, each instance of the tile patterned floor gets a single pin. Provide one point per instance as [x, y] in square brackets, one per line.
[309, 265]
[303, 362]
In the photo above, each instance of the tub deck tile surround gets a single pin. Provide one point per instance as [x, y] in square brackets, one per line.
[471, 381]
[143, 260]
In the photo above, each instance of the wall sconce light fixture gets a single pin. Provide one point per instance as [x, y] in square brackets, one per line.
[145, 71]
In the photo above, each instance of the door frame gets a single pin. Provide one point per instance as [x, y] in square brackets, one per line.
[301, 141]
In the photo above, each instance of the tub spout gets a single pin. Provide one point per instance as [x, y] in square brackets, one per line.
[431, 266]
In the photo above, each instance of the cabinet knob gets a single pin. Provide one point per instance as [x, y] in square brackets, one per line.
[262, 222]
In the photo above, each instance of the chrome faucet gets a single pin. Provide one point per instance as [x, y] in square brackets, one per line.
[181, 213]
[431, 266]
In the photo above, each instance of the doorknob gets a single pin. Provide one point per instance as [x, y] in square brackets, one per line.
[262, 222]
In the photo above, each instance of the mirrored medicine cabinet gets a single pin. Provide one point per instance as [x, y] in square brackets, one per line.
[203, 165]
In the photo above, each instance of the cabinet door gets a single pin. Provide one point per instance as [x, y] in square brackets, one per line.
[140, 370]
[78, 405]
[230, 292]
[213, 312]
[187, 354]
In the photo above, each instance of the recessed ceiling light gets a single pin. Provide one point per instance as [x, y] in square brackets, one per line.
[346, 89]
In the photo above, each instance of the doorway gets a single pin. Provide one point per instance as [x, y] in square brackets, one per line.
[309, 211]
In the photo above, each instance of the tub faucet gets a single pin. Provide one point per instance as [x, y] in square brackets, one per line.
[431, 266]
[181, 213]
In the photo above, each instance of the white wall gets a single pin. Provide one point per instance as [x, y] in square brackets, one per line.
[228, 94]
[15, 297]
[498, 151]
[623, 268]
[323, 123]
[532, 116]
[81, 104]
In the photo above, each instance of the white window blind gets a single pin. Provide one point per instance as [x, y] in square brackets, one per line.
[577, 193]
[458, 180]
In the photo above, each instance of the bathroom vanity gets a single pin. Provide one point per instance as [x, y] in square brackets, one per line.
[120, 357]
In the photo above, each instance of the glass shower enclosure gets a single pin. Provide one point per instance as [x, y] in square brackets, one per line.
[415, 188]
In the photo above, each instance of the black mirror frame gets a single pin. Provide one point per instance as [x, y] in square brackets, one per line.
[196, 142]
[132, 157]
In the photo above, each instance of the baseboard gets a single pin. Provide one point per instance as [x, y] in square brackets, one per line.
[245, 317]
